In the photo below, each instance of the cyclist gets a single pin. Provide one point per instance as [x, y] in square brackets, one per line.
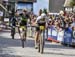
[39, 20]
[23, 23]
[13, 25]
[12, 21]
[37, 29]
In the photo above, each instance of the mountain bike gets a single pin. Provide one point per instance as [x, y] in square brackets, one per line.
[41, 38]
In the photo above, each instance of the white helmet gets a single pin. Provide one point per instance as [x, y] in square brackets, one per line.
[43, 15]
[39, 17]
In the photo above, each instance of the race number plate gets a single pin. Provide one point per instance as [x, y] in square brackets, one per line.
[23, 27]
[42, 27]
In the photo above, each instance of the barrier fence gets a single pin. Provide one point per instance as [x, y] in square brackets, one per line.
[64, 36]
[51, 33]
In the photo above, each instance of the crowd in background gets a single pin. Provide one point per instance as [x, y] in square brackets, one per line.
[60, 21]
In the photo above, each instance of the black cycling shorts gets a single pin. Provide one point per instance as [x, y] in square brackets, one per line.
[37, 29]
[39, 24]
[23, 23]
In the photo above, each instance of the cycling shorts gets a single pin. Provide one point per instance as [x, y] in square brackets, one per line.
[23, 23]
[40, 24]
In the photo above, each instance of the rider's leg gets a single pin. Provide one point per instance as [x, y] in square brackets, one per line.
[11, 30]
[21, 33]
[36, 39]
[25, 34]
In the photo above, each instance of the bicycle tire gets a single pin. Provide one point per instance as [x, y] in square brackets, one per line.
[24, 38]
[25, 35]
[12, 36]
[13, 33]
[22, 43]
[42, 43]
[39, 45]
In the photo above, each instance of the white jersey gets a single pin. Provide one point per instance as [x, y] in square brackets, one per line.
[40, 17]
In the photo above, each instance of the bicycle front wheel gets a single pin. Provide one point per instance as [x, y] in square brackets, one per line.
[25, 34]
[12, 32]
[42, 43]
[22, 43]
[23, 38]
[39, 44]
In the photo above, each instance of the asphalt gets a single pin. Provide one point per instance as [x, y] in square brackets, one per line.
[13, 48]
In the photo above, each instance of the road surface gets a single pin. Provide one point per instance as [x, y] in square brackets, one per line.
[12, 48]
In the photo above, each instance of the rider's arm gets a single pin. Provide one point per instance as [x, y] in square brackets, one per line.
[38, 18]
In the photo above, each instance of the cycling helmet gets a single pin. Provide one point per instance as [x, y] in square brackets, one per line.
[43, 15]
[38, 18]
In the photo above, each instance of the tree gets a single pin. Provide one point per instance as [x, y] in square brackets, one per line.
[72, 3]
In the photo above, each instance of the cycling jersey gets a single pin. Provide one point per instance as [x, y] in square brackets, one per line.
[13, 21]
[40, 21]
[23, 21]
